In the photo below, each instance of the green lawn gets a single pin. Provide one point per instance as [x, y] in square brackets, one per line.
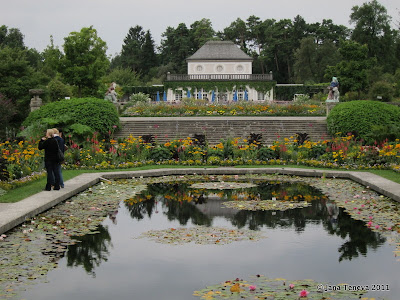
[37, 186]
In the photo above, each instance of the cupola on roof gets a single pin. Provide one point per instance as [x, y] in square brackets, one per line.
[219, 50]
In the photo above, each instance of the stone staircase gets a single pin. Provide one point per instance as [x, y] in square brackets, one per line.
[217, 128]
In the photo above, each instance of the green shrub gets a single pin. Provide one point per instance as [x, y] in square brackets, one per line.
[351, 96]
[359, 117]
[266, 153]
[160, 153]
[98, 114]
[58, 90]
[215, 153]
[382, 90]
[139, 97]
[382, 133]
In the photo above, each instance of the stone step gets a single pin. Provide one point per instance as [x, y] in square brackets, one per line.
[217, 128]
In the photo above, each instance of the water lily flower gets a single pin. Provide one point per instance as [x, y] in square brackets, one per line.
[30, 230]
[291, 286]
[58, 222]
[303, 294]
[389, 228]
[370, 217]
[369, 224]
[252, 288]
[24, 231]
[377, 227]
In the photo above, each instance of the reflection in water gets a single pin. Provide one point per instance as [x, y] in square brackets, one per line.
[90, 251]
[200, 206]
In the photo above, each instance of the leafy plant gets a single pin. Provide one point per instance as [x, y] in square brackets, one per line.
[160, 153]
[382, 133]
[139, 97]
[266, 153]
[255, 138]
[301, 138]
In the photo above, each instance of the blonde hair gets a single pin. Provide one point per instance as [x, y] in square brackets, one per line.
[55, 131]
[50, 133]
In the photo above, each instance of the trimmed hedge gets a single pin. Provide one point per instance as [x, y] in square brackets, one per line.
[359, 117]
[99, 114]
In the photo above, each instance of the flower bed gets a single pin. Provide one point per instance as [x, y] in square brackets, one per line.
[233, 109]
[24, 162]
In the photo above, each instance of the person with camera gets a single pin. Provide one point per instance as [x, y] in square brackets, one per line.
[51, 160]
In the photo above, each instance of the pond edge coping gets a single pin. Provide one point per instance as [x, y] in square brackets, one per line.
[13, 214]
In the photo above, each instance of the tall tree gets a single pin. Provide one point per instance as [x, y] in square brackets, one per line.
[131, 54]
[149, 57]
[372, 27]
[352, 70]
[85, 59]
[312, 58]
[15, 73]
[328, 31]
[237, 33]
[256, 42]
[200, 32]
[51, 59]
[175, 47]
[12, 37]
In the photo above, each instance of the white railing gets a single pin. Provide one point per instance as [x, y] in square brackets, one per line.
[219, 77]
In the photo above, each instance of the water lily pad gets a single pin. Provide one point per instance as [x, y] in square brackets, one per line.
[261, 287]
[29, 251]
[201, 235]
[265, 205]
[222, 185]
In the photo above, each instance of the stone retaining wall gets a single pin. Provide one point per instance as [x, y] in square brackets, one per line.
[217, 128]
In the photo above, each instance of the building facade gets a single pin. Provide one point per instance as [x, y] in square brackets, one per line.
[220, 72]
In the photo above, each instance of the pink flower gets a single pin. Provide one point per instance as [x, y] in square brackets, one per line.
[291, 286]
[369, 224]
[303, 294]
[389, 228]
[370, 217]
[377, 227]
[252, 288]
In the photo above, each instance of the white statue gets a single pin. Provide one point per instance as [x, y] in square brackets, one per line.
[111, 94]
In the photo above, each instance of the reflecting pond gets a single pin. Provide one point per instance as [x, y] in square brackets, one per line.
[143, 250]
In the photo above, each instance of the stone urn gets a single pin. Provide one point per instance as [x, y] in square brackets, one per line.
[36, 101]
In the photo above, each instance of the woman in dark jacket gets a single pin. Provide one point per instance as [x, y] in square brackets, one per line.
[51, 163]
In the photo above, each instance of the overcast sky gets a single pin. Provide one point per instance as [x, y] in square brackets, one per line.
[38, 19]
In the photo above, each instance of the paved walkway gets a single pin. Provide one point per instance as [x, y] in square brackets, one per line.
[13, 214]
